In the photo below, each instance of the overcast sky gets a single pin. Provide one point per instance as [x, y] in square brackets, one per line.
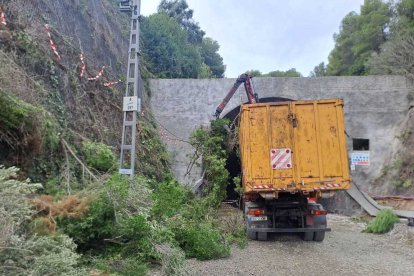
[269, 35]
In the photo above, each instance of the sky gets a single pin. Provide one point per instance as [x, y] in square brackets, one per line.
[269, 35]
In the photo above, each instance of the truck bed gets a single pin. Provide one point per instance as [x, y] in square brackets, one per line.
[293, 146]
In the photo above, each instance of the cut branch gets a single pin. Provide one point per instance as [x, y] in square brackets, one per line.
[65, 144]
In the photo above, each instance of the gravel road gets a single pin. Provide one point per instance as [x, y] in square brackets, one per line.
[345, 251]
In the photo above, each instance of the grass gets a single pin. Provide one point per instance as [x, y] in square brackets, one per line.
[383, 223]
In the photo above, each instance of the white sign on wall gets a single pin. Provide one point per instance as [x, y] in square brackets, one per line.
[132, 103]
[360, 158]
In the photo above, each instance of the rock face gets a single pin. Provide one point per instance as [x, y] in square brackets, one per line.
[397, 175]
[375, 109]
[94, 27]
[33, 73]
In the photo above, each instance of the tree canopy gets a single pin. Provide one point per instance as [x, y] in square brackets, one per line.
[174, 45]
[166, 49]
[211, 57]
[179, 10]
[359, 37]
[319, 70]
[278, 73]
[396, 54]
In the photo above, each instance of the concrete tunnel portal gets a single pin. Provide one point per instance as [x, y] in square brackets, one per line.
[233, 164]
[375, 107]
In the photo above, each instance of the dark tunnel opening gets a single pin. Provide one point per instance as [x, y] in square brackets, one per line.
[233, 163]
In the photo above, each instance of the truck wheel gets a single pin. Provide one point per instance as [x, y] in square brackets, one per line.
[319, 222]
[251, 235]
[308, 236]
[319, 236]
[262, 236]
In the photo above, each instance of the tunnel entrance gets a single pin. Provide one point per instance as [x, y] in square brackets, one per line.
[233, 164]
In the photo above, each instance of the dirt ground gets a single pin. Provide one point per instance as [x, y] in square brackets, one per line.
[345, 251]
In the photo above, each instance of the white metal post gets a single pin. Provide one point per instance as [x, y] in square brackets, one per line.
[132, 101]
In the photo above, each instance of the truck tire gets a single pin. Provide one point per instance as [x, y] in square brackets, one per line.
[320, 222]
[308, 236]
[319, 236]
[262, 236]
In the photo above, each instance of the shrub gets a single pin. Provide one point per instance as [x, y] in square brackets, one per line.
[27, 126]
[169, 199]
[129, 196]
[89, 230]
[136, 237]
[201, 240]
[48, 209]
[53, 256]
[383, 223]
[117, 220]
[233, 227]
[211, 145]
[99, 156]
[172, 259]
[46, 255]
[408, 183]
[117, 265]
[21, 254]
[14, 208]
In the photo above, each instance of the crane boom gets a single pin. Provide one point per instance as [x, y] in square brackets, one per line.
[248, 86]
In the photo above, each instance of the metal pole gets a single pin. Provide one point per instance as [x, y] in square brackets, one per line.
[132, 101]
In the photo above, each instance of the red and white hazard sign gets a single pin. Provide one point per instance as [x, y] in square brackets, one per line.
[281, 158]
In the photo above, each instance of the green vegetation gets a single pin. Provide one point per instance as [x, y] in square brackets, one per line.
[23, 253]
[179, 10]
[154, 159]
[383, 222]
[166, 49]
[99, 156]
[15, 113]
[169, 199]
[201, 240]
[211, 144]
[319, 70]
[88, 217]
[408, 183]
[400, 172]
[278, 73]
[27, 127]
[174, 45]
[360, 35]
[211, 57]
[378, 40]
[138, 217]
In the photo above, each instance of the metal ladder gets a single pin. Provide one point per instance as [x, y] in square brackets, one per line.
[132, 98]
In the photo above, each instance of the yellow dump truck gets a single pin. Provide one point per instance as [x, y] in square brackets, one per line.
[292, 153]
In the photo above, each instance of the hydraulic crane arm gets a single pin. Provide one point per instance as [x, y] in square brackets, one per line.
[248, 85]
